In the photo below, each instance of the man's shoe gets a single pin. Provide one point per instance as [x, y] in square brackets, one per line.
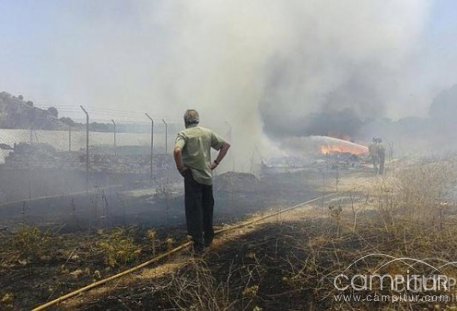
[198, 248]
[208, 243]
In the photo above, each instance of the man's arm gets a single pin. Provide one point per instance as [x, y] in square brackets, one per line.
[177, 153]
[178, 160]
[222, 152]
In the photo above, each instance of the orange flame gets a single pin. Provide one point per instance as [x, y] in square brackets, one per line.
[344, 148]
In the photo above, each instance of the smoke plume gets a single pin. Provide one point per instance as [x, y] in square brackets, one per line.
[289, 68]
[280, 68]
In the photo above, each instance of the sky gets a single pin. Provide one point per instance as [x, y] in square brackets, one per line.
[64, 53]
[123, 58]
[440, 44]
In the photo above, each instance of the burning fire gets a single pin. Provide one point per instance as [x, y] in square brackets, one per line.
[344, 147]
[325, 145]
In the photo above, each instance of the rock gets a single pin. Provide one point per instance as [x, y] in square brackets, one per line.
[97, 275]
[8, 298]
[45, 258]
[77, 273]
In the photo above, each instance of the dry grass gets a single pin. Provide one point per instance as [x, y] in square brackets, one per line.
[118, 247]
[375, 222]
[195, 288]
[31, 242]
[290, 261]
[411, 213]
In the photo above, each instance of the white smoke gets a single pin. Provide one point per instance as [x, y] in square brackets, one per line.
[232, 59]
[237, 62]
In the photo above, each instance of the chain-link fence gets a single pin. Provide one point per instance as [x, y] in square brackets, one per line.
[43, 174]
[102, 172]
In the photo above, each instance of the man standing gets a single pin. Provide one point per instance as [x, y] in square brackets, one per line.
[193, 160]
[373, 153]
[381, 156]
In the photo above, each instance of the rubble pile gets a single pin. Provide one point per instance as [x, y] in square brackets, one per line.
[44, 156]
[28, 156]
[345, 160]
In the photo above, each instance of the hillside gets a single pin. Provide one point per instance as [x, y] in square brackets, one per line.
[18, 113]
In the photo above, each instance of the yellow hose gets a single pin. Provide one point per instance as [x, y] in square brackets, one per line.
[175, 250]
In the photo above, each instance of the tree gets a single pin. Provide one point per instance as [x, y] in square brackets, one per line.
[53, 111]
[67, 121]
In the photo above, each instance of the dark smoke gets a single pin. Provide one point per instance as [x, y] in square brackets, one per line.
[341, 113]
[432, 135]
[338, 124]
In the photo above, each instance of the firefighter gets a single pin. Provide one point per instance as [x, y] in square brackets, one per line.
[381, 150]
[373, 154]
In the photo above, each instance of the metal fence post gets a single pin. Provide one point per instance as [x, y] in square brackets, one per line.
[152, 141]
[166, 135]
[69, 138]
[87, 147]
[114, 136]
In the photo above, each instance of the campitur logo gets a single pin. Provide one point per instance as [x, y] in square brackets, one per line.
[433, 281]
[414, 283]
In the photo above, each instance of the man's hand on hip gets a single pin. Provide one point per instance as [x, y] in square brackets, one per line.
[213, 165]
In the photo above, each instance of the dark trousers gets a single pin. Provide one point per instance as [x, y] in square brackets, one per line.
[199, 204]
[381, 164]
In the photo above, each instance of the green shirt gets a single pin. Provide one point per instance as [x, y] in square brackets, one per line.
[196, 143]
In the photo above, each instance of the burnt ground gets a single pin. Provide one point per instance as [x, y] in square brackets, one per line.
[287, 265]
[289, 262]
[160, 206]
[253, 271]
[40, 263]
